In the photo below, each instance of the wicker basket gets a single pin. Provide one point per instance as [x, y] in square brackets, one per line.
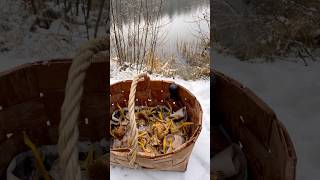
[250, 122]
[31, 96]
[153, 93]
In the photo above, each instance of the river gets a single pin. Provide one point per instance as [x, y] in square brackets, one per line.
[180, 22]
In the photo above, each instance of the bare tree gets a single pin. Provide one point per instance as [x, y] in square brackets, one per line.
[33, 4]
[99, 18]
[135, 30]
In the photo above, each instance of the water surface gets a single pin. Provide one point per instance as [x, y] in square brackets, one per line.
[180, 22]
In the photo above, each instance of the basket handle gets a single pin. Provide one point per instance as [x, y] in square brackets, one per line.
[68, 126]
[133, 131]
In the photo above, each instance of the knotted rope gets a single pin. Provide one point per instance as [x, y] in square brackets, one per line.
[68, 127]
[133, 131]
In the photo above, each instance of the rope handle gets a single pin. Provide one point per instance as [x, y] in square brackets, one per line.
[70, 110]
[133, 131]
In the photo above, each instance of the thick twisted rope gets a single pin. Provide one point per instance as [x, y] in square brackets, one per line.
[133, 131]
[68, 127]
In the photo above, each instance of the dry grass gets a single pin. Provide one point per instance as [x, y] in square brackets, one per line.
[197, 57]
[279, 28]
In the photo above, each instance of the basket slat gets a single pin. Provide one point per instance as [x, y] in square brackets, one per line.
[17, 86]
[266, 143]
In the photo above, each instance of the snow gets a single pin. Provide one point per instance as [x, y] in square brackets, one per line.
[292, 91]
[18, 44]
[199, 162]
[24, 46]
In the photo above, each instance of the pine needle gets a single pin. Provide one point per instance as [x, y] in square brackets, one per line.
[89, 159]
[142, 134]
[160, 115]
[184, 124]
[121, 112]
[164, 145]
[37, 155]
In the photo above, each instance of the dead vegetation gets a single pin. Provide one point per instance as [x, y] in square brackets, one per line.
[135, 31]
[137, 36]
[196, 54]
[268, 28]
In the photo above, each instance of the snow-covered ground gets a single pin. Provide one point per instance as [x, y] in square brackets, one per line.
[20, 44]
[199, 162]
[293, 92]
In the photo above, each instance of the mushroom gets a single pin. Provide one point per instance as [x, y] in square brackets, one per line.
[115, 120]
[119, 131]
[142, 128]
[151, 149]
[173, 142]
[159, 129]
[148, 150]
[116, 117]
[142, 116]
[178, 141]
[163, 110]
[141, 119]
[178, 115]
[154, 140]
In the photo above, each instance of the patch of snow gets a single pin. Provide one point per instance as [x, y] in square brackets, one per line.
[19, 45]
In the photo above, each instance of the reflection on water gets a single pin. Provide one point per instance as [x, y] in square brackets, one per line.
[173, 8]
[183, 25]
[179, 20]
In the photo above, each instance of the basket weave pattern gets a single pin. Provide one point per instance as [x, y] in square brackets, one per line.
[153, 93]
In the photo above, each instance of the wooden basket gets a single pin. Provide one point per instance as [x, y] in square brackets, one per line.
[250, 122]
[153, 93]
[31, 96]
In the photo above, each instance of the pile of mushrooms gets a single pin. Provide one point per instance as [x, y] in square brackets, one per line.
[160, 129]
